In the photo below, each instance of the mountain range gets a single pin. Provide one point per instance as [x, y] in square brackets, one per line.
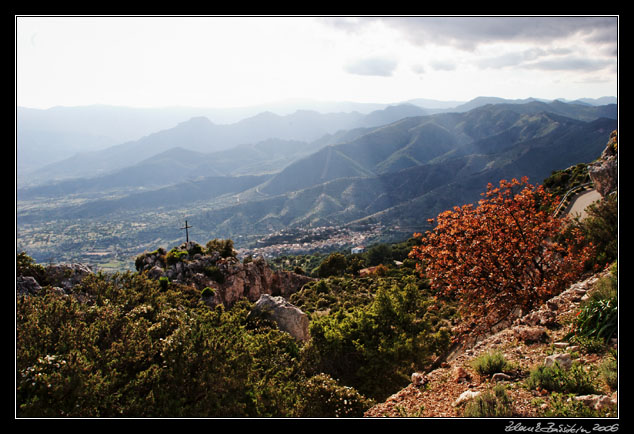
[49, 136]
[396, 166]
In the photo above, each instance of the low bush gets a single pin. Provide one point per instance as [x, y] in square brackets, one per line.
[223, 247]
[490, 363]
[496, 404]
[557, 379]
[322, 396]
[608, 371]
[163, 283]
[598, 316]
[175, 256]
[207, 292]
[564, 405]
[214, 273]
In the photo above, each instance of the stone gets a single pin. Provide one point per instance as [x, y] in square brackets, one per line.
[563, 359]
[289, 318]
[604, 172]
[27, 285]
[419, 379]
[531, 334]
[155, 272]
[67, 276]
[500, 376]
[460, 375]
[466, 396]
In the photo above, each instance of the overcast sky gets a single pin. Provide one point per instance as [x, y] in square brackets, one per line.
[242, 61]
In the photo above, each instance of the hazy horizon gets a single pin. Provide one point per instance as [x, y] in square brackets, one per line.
[299, 102]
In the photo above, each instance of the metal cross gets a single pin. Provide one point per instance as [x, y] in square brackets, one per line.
[186, 227]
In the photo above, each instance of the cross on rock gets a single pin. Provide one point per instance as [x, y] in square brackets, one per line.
[186, 227]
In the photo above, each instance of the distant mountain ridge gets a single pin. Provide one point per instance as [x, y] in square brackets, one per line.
[400, 173]
[47, 136]
[201, 135]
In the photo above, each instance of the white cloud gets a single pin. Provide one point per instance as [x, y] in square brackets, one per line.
[377, 66]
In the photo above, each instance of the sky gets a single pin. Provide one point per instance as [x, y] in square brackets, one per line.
[222, 61]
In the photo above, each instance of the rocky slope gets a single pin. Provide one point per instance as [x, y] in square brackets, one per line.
[528, 342]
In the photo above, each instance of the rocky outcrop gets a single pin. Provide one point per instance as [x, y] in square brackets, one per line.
[229, 278]
[68, 275]
[604, 171]
[27, 285]
[289, 318]
[60, 277]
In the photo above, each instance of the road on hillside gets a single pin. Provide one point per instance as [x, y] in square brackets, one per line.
[582, 201]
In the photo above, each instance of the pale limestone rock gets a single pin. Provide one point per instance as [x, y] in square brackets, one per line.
[289, 318]
[466, 396]
[563, 359]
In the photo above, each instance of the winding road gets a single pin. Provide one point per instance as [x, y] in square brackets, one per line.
[581, 202]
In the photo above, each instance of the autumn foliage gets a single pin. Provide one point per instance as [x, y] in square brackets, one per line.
[500, 255]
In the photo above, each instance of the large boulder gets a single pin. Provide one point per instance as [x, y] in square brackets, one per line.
[289, 318]
[604, 172]
[66, 276]
[27, 285]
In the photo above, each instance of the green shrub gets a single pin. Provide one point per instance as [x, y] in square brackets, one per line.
[214, 273]
[564, 405]
[589, 345]
[164, 283]
[490, 363]
[26, 266]
[137, 352]
[600, 228]
[175, 256]
[207, 292]
[375, 346]
[559, 182]
[598, 318]
[496, 404]
[223, 247]
[321, 396]
[608, 371]
[557, 379]
[334, 265]
[195, 249]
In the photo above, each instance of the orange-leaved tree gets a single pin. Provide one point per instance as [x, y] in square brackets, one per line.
[501, 255]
